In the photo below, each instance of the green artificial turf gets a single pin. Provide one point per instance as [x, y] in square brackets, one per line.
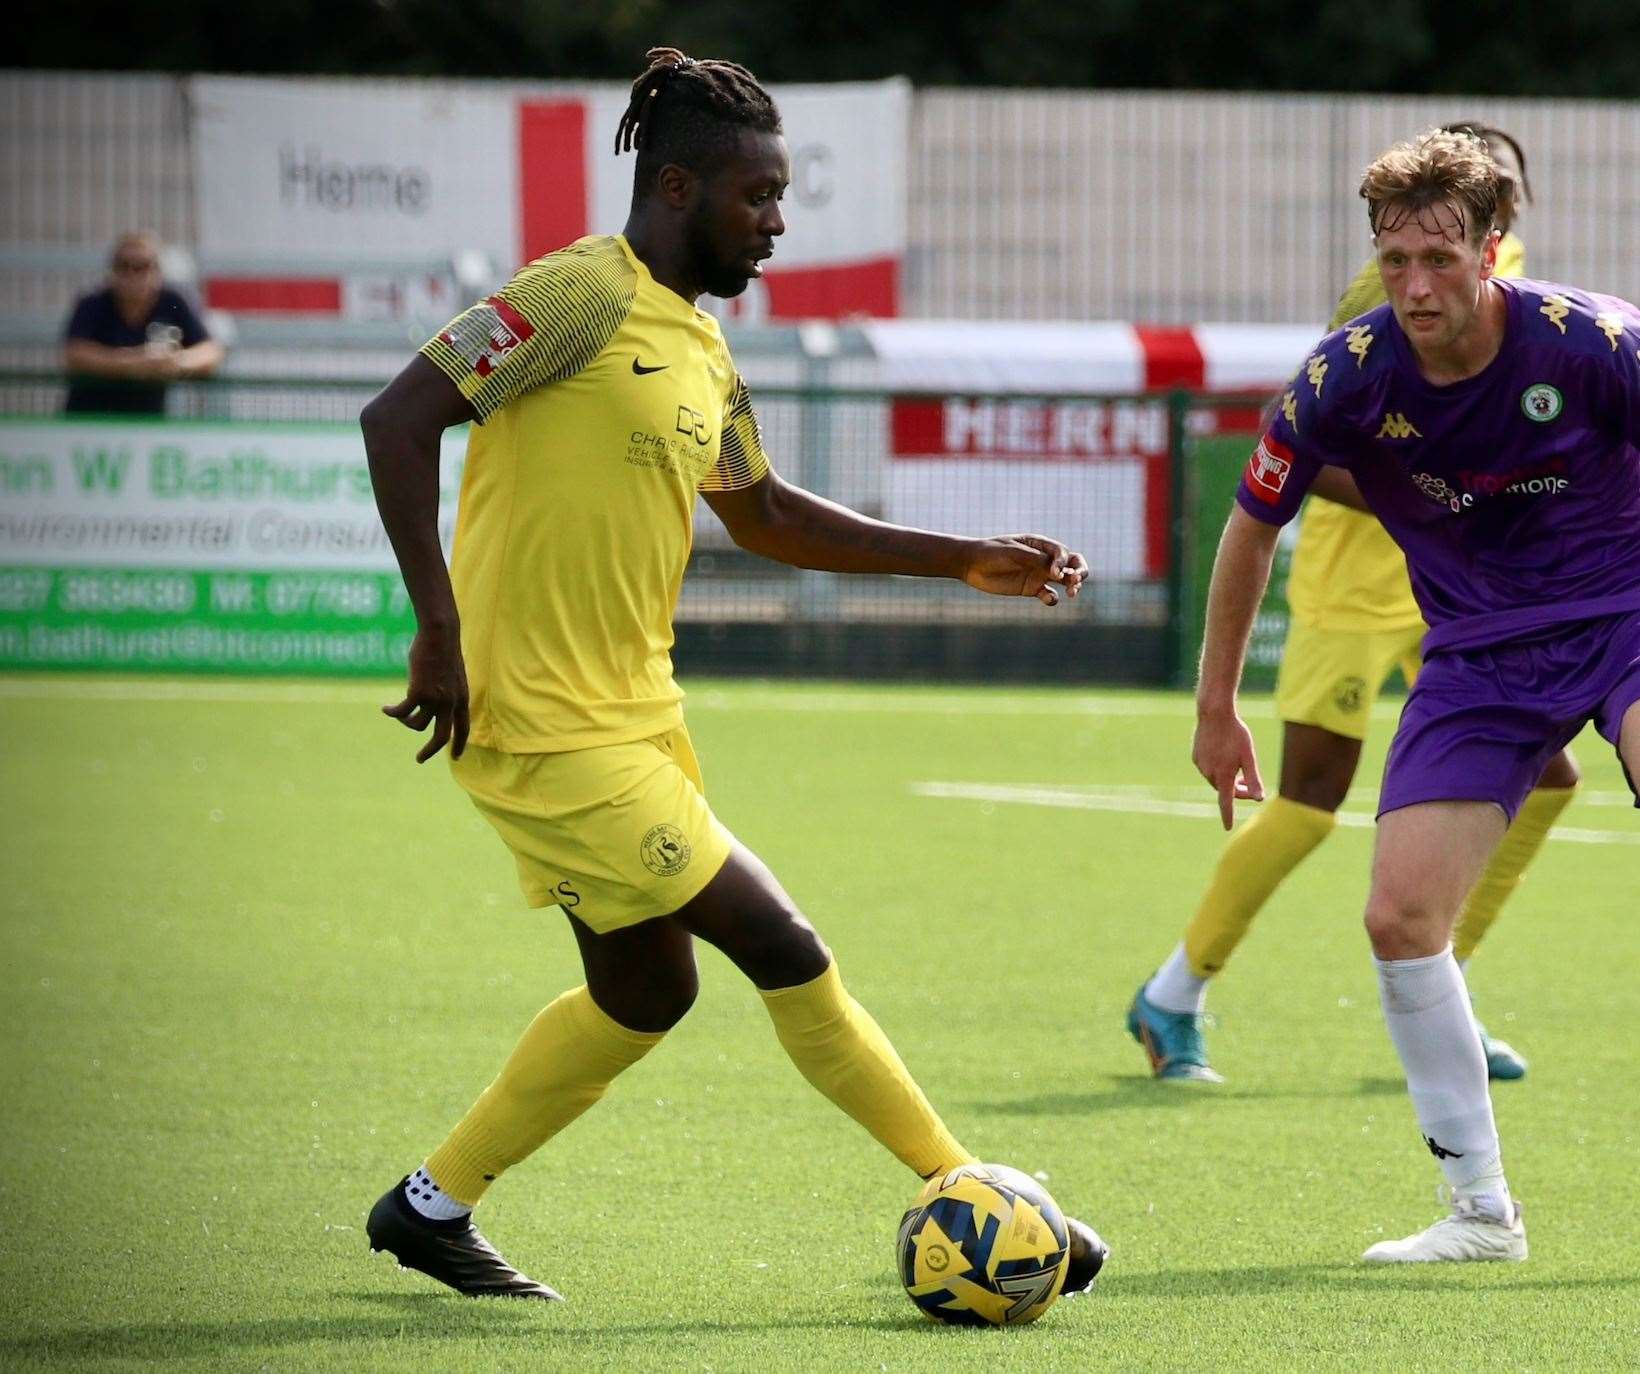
[253, 964]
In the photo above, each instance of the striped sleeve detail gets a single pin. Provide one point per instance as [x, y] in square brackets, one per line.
[545, 325]
[741, 459]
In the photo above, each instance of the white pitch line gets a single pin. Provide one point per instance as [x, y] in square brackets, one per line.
[1175, 706]
[1130, 803]
[983, 702]
[1366, 796]
[1594, 798]
[704, 701]
[1114, 797]
[1092, 800]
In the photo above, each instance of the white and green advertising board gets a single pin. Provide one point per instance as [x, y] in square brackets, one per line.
[188, 546]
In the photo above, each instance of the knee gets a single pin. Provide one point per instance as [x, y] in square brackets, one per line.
[748, 916]
[1322, 793]
[1383, 923]
[781, 949]
[671, 997]
[652, 999]
[1401, 925]
[1320, 780]
[1561, 772]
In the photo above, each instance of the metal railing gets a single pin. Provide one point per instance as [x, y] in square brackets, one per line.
[1148, 524]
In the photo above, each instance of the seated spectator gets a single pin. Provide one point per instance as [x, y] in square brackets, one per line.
[125, 342]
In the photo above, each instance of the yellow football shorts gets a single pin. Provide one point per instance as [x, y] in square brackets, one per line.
[1331, 678]
[614, 835]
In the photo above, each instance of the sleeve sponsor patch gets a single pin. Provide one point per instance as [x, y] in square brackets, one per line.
[1268, 469]
[488, 334]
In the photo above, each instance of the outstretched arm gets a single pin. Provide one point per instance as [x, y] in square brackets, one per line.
[790, 525]
[402, 427]
[1223, 749]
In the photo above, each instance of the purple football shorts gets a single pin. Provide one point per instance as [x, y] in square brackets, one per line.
[1480, 724]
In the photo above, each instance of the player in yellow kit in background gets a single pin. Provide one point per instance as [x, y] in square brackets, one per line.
[1354, 621]
[605, 400]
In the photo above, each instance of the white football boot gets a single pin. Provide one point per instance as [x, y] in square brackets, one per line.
[1466, 1234]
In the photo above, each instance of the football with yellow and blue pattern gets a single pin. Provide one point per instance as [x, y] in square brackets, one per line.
[983, 1245]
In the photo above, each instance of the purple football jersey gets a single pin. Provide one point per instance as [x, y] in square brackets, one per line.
[1515, 494]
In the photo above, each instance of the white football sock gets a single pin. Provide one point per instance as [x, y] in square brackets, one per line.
[428, 1198]
[1426, 1007]
[1174, 987]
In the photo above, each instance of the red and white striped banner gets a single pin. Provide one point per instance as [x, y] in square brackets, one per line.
[1103, 357]
[998, 446]
[358, 176]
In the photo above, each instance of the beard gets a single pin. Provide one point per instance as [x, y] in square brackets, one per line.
[716, 277]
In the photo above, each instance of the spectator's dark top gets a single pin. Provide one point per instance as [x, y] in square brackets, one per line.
[97, 319]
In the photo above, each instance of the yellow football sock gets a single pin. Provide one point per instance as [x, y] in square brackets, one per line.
[571, 1052]
[844, 1053]
[1256, 859]
[1519, 846]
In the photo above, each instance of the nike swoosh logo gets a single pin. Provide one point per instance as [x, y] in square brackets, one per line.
[639, 370]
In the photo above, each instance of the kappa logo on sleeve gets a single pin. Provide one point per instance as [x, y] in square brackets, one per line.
[1268, 469]
[487, 334]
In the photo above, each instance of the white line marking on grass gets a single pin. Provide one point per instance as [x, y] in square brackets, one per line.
[1588, 798]
[1577, 836]
[1364, 796]
[1093, 799]
[1135, 802]
[778, 700]
[998, 701]
[904, 703]
[794, 700]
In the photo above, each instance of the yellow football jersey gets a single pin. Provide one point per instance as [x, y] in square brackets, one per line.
[1347, 573]
[605, 402]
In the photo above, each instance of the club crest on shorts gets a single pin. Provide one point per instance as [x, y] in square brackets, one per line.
[665, 850]
[1541, 402]
[1349, 694]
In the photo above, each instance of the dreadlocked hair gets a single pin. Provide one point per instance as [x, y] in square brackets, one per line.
[690, 111]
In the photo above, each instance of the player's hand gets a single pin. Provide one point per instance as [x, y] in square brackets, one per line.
[437, 693]
[1024, 565]
[1223, 753]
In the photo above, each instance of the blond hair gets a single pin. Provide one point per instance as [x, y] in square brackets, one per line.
[1436, 168]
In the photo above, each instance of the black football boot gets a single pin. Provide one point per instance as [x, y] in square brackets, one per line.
[1088, 1256]
[453, 1252]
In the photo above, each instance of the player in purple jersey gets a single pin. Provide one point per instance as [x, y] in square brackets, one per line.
[1494, 428]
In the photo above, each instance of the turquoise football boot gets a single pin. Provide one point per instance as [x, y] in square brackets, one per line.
[1172, 1041]
[1503, 1060]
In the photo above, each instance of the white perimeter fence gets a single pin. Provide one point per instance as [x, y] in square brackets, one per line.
[1165, 208]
